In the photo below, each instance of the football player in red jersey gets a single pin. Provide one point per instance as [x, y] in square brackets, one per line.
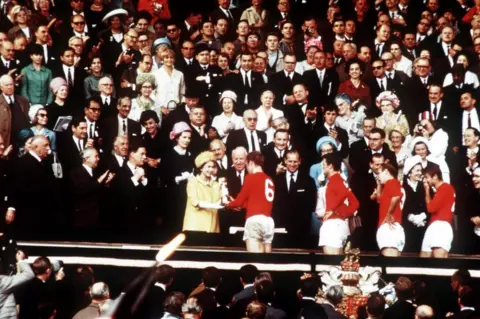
[438, 237]
[256, 196]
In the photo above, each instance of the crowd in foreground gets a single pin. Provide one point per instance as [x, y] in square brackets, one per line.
[43, 290]
[326, 120]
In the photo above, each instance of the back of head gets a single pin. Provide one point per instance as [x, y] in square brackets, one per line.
[375, 305]
[191, 306]
[462, 276]
[256, 310]
[424, 312]
[265, 291]
[173, 303]
[334, 295]
[100, 291]
[403, 288]
[41, 265]
[248, 273]
[310, 287]
[211, 277]
[164, 274]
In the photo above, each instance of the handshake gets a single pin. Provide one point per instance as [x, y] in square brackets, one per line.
[419, 220]
[184, 176]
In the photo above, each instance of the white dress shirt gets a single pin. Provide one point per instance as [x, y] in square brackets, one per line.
[91, 128]
[76, 140]
[288, 176]
[439, 106]
[248, 133]
[72, 72]
[120, 159]
[132, 168]
[470, 79]
[473, 119]
[121, 132]
[241, 174]
[88, 169]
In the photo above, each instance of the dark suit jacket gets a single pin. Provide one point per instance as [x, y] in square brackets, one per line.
[109, 130]
[271, 160]
[281, 85]
[232, 25]
[400, 309]
[293, 209]
[12, 65]
[241, 301]
[235, 83]
[6, 124]
[332, 313]
[239, 138]
[360, 156]
[109, 110]
[198, 143]
[233, 182]
[309, 309]
[68, 152]
[34, 180]
[86, 193]
[208, 302]
[321, 95]
[76, 93]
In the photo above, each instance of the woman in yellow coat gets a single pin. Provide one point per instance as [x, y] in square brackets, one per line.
[203, 197]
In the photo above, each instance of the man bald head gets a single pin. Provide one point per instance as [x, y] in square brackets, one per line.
[218, 148]
[250, 119]
[40, 146]
[424, 312]
[239, 158]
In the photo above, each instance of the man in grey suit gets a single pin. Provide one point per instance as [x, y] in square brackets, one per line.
[8, 285]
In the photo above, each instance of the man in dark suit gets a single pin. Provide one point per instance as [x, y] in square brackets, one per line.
[120, 125]
[417, 88]
[73, 75]
[34, 179]
[281, 13]
[442, 113]
[218, 148]
[87, 190]
[71, 145]
[247, 84]
[241, 299]
[380, 44]
[129, 77]
[50, 57]
[184, 63]
[249, 137]
[410, 49]
[235, 178]
[294, 201]
[275, 152]
[309, 308]
[199, 142]
[282, 82]
[211, 279]
[330, 129]
[120, 58]
[154, 301]
[93, 112]
[378, 84]
[334, 296]
[223, 11]
[130, 188]
[403, 307]
[321, 83]
[8, 61]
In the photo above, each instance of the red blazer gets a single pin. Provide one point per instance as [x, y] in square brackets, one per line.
[362, 92]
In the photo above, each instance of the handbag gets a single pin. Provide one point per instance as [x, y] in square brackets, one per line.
[57, 167]
[354, 222]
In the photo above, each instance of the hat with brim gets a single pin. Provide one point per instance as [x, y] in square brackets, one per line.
[113, 13]
[203, 158]
[410, 163]
[325, 140]
[159, 41]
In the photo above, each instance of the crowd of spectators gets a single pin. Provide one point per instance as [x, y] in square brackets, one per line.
[108, 107]
[43, 290]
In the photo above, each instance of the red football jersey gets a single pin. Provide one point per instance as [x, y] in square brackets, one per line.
[339, 198]
[442, 205]
[256, 195]
[392, 188]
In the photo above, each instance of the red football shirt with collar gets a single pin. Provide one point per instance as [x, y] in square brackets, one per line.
[392, 188]
[339, 198]
[443, 204]
[256, 195]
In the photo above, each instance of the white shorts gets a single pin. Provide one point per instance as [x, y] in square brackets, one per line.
[438, 235]
[334, 233]
[391, 238]
[259, 227]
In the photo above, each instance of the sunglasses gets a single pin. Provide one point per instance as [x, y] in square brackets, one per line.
[42, 115]
[79, 23]
[95, 109]
[250, 119]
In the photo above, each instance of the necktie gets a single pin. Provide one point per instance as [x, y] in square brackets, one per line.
[389, 75]
[124, 127]
[7, 64]
[69, 78]
[424, 82]
[448, 49]
[79, 146]
[377, 49]
[469, 120]
[239, 176]
[245, 80]
[107, 101]
[320, 78]
[10, 101]
[220, 165]
[292, 182]
[382, 86]
[252, 140]
[435, 110]
[91, 131]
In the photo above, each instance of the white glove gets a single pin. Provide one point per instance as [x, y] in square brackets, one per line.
[411, 218]
[207, 205]
[184, 176]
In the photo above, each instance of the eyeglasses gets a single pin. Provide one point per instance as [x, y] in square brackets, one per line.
[42, 115]
[187, 48]
[107, 84]
[146, 87]
[79, 23]
[171, 30]
[95, 109]
[251, 119]
[422, 66]
[132, 36]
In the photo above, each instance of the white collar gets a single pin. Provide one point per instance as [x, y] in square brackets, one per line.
[131, 167]
[245, 72]
[66, 67]
[89, 122]
[378, 152]
[35, 155]
[163, 286]
[242, 173]
[7, 98]
[179, 150]
[76, 140]
[467, 308]
[120, 159]
[187, 25]
[308, 298]
[413, 184]
[120, 119]
[295, 174]
[89, 169]
[248, 132]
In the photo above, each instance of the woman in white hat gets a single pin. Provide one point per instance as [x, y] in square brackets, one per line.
[203, 197]
[227, 121]
[414, 218]
[39, 118]
[421, 147]
[388, 103]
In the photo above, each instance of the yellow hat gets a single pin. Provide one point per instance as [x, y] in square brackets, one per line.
[203, 158]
